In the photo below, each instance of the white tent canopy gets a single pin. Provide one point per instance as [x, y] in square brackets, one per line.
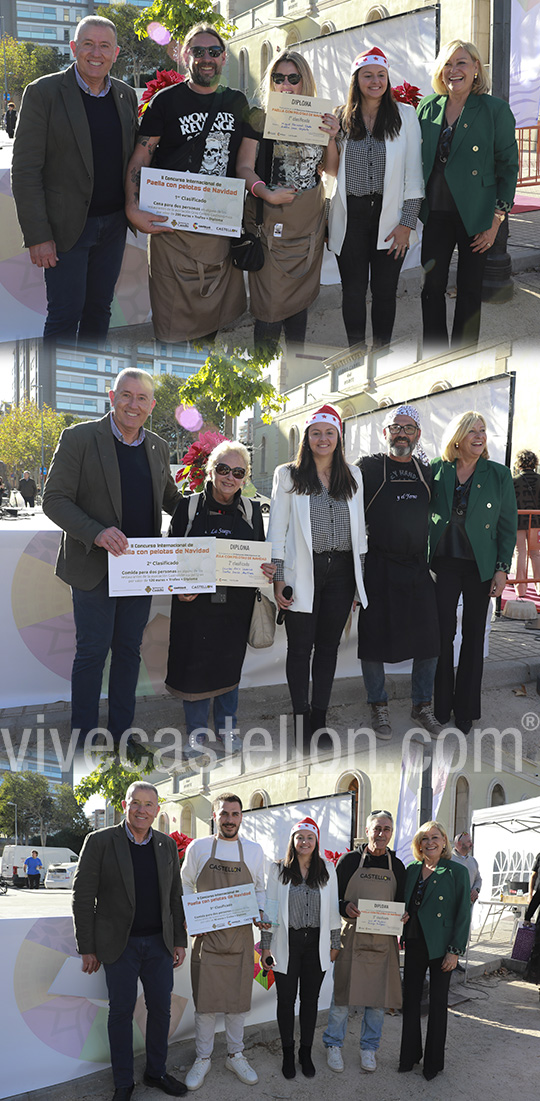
[506, 840]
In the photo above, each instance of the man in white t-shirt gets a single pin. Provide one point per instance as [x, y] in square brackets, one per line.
[222, 960]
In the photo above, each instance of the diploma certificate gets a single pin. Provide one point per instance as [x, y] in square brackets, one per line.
[380, 917]
[221, 909]
[240, 563]
[151, 566]
[200, 204]
[296, 118]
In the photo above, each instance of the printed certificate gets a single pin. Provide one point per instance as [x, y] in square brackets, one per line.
[201, 204]
[221, 909]
[380, 917]
[151, 566]
[240, 563]
[296, 118]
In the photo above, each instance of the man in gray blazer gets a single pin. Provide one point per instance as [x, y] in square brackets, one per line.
[74, 138]
[128, 915]
[109, 480]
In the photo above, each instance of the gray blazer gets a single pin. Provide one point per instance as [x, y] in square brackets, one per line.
[52, 174]
[83, 495]
[103, 900]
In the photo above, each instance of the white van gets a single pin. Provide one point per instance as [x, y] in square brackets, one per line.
[60, 875]
[14, 856]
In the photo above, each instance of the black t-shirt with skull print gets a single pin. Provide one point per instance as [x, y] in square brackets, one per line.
[177, 115]
[286, 163]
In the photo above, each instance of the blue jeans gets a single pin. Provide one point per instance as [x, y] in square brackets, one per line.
[147, 959]
[338, 1019]
[423, 675]
[225, 707]
[104, 623]
[80, 288]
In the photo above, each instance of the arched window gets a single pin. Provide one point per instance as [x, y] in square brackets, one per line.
[163, 823]
[259, 799]
[293, 36]
[263, 455]
[294, 441]
[266, 56]
[243, 70]
[379, 12]
[440, 386]
[385, 402]
[327, 28]
[187, 820]
[355, 782]
[461, 806]
[498, 796]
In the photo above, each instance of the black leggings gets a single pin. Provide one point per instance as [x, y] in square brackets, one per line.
[304, 969]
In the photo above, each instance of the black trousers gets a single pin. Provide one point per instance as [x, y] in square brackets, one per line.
[267, 333]
[442, 232]
[416, 964]
[304, 970]
[319, 631]
[461, 694]
[33, 881]
[360, 262]
[532, 907]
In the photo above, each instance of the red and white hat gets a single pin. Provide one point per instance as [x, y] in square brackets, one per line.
[372, 56]
[326, 415]
[308, 825]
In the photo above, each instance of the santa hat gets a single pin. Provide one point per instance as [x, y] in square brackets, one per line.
[325, 415]
[308, 825]
[372, 56]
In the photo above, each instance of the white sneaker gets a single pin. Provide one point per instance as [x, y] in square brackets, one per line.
[367, 1059]
[196, 1076]
[240, 1066]
[334, 1059]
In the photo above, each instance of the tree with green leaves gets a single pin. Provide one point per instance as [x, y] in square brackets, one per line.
[16, 62]
[41, 807]
[179, 16]
[137, 55]
[44, 59]
[167, 394]
[234, 382]
[20, 436]
[111, 780]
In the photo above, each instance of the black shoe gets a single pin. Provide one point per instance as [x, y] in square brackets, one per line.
[429, 1075]
[465, 725]
[123, 1093]
[167, 1084]
[302, 728]
[304, 1058]
[288, 1068]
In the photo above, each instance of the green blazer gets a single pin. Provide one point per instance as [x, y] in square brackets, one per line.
[445, 913]
[83, 495]
[483, 163]
[491, 520]
[103, 900]
[52, 174]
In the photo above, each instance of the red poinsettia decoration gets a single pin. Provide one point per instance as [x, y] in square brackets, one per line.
[182, 842]
[164, 79]
[334, 857]
[407, 93]
[194, 462]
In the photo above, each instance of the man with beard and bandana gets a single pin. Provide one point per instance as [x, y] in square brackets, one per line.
[222, 960]
[195, 126]
[400, 621]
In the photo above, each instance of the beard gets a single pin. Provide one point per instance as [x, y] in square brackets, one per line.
[204, 80]
[400, 448]
[229, 831]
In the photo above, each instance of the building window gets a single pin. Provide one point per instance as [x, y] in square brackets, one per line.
[355, 783]
[377, 13]
[328, 27]
[461, 811]
[498, 797]
[293, 37]
[259, 800]
[266, 56]
[243, 70]
[163, 823]
[187, 820]
[294, 442]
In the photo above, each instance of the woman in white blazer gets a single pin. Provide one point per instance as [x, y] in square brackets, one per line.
[302, 905]
[377, 197]
[318, 537]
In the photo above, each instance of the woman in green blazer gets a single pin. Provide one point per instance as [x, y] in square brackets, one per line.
[438, 904]
[471, 540]
[470, 162]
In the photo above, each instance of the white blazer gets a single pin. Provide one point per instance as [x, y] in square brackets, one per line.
[289, 532]
[330, 917]
[403, 179]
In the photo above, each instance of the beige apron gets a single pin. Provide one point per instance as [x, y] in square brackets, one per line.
[289, 280]
[194, 288]
[222, 962]
[366, 971]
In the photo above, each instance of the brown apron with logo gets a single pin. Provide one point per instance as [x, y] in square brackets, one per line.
[366, 971]
[289, 280]
[194, 288]
[222, 961]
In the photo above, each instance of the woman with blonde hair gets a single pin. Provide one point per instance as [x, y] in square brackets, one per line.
[438, 904]
[470, 161]
[286, 196]
[471, 539]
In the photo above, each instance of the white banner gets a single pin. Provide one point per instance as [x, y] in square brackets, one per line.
[525, 62]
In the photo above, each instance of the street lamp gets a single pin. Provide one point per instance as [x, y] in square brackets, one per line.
[10, 804]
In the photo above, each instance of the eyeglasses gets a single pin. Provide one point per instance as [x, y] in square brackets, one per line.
[408, 429]
[291, 78]
[237, 472]
[206, 51]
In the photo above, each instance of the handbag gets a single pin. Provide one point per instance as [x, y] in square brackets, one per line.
[262, 628]
[247, 252]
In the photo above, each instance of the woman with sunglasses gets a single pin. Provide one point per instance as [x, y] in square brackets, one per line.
[376, 198]
[209, 631]
[286, 178]
[318, 536]
[470, 161]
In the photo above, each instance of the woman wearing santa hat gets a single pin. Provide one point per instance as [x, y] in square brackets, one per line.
[318, 536]
[377, 197]
[302, 906]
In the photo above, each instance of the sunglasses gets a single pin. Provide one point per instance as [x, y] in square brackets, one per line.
[237, 472]
[206, 51]
[291, 78]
